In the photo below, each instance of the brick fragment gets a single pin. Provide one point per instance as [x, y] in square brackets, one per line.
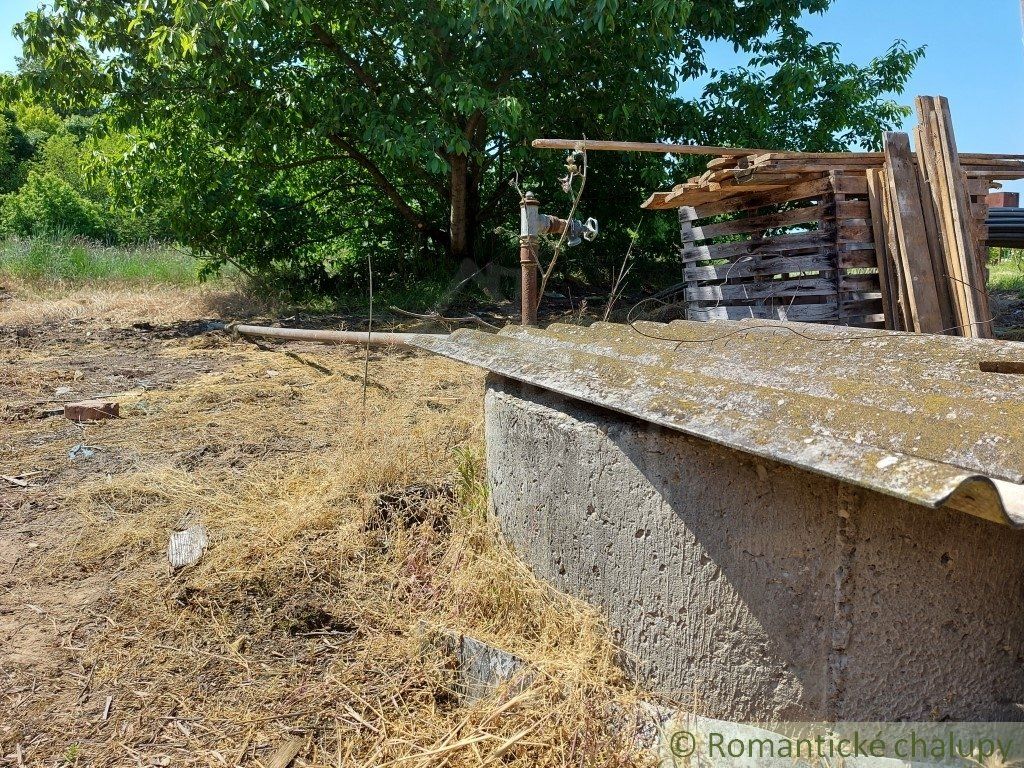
[91, 410]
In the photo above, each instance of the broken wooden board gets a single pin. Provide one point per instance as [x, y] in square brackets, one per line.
[960, 208]
[793, 241]
[754, 224]
[286, 753]
[800, 313]
[890, 290]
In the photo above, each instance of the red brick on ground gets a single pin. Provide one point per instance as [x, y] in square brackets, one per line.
[91, 410]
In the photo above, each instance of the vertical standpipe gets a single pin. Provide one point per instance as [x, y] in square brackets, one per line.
[529, 226]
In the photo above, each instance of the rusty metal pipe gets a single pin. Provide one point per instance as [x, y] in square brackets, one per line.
[552, 225]
[329, 337]
[529, 266]
[529, 228]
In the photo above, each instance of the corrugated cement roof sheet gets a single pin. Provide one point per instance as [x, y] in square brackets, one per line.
[909, 415]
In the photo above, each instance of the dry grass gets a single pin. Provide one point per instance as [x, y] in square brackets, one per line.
[30, 303]
[313, 614]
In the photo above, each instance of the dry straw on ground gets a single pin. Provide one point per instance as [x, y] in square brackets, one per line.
[337, 554]
[117, 304]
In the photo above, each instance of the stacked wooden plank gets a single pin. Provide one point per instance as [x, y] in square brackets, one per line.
[730, 176]
[869, 239]
[928, 223]
[959, 254]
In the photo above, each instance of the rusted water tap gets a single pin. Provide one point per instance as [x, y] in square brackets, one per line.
[532, 224]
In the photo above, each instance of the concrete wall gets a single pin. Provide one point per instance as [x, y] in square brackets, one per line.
[753, 590]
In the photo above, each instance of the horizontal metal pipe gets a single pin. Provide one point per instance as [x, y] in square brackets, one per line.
[1005, 227]
[328, 337]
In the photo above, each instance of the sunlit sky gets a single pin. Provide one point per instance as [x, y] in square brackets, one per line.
[975, 56]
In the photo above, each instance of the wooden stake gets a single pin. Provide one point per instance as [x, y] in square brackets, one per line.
[836, 158]
[901, 294]
[935, 240]
[644, 146]
[931, 154]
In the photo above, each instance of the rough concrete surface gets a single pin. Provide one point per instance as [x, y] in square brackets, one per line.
[753, 590]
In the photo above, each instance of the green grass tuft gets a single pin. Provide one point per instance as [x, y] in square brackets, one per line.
[1007, 274]
[79, 260]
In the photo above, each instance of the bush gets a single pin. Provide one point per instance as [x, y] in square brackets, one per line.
[61, 155]
[15, 149]
[49, 205]
[32, 117]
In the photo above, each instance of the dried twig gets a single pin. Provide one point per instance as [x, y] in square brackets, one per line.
[624, 271]
[369, 335]
[546, 275]
[439, 318]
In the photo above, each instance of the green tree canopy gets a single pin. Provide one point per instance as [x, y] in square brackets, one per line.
[279, 130]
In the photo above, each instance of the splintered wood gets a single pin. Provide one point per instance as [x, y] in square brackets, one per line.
[870, 239]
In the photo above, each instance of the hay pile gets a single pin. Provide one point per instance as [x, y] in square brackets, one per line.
[341, 542]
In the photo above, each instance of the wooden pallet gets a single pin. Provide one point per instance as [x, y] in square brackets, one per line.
[873, 239]
[804, 255]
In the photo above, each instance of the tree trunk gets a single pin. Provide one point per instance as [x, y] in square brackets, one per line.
[465, 209]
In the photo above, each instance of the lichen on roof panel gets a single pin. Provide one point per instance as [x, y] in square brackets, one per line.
[910, 415]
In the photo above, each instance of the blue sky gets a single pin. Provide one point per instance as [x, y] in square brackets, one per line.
[975, 57]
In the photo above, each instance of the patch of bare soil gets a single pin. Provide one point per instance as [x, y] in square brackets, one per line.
[342, 538]
[1008, 313]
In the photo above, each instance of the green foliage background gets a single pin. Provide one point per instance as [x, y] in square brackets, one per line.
[294, 139]
[58, 179]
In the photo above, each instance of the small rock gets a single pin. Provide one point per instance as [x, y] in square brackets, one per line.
[81, 451]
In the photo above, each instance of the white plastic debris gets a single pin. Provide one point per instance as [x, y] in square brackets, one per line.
[186, 547]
